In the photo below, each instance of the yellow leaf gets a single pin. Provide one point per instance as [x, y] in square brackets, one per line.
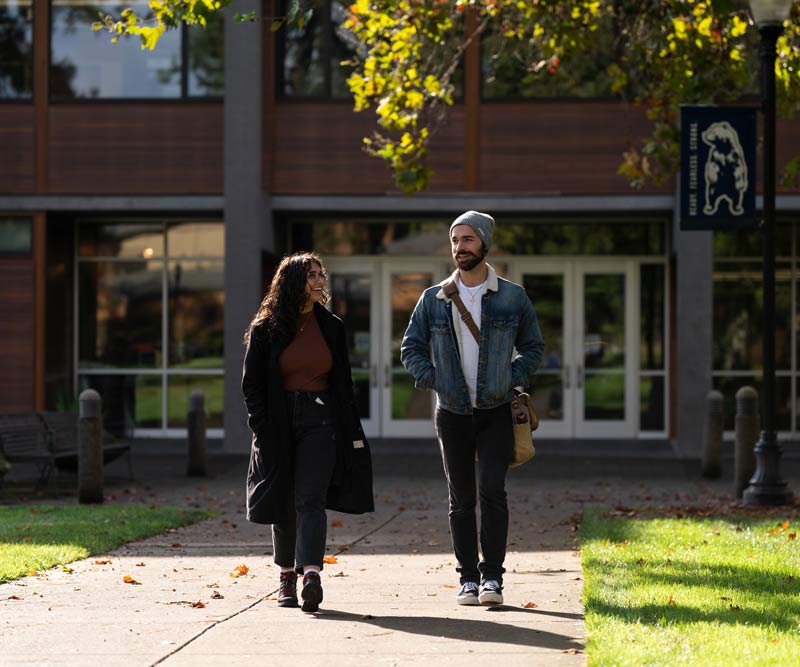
[330, 560]
[129, 579]
[239, 571]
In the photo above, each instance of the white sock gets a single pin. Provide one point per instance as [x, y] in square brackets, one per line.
[284, 570]
[310, 569]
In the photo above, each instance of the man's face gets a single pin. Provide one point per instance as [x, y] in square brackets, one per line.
[466, 247]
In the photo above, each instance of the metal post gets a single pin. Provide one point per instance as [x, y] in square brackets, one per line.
[196, 432]
[746, 425]
[712, 436]
[90, 448]
[766, 486]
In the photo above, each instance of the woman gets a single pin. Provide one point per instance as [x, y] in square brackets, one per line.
[309, 452]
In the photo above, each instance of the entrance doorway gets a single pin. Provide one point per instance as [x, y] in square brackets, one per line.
[588, 385]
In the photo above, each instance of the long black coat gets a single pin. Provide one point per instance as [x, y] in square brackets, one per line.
[271, 467]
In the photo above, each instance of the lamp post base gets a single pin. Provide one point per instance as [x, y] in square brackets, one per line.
[766, 486]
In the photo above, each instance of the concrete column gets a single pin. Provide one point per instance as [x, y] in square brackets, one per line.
[248, 217]
[197, 465]
[693, 312]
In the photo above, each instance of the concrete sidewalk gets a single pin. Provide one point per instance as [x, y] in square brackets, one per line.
[389, 597]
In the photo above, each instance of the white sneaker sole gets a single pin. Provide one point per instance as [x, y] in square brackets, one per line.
[468, 600]
[489, 598]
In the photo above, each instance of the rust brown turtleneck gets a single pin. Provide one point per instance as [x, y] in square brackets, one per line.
[306, 361]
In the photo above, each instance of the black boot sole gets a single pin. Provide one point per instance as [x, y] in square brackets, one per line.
[312, 596]
[287, 602]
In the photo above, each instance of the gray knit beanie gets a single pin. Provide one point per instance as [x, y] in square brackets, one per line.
[482, 223]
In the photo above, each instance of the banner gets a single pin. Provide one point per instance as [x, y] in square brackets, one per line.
[718, 168]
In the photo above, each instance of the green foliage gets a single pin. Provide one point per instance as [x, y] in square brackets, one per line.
[666, 53]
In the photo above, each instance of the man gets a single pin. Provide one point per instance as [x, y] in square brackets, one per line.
[474, 383]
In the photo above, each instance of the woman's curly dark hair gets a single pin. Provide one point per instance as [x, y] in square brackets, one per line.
[280, 307]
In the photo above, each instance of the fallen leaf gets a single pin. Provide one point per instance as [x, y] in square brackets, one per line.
[530, 605]
[33, 573]
[330, 560]
[198, 604]
[13, 597]
[792, 536]
[336, 523]
[239, 571]
[671, 601]
[344, 547]
[214, 585]
[341, 574]
[129, 579]
[102, 562]
[140, 565]
[785, 525]
[66, 569]
[448, 586]
[216, 595]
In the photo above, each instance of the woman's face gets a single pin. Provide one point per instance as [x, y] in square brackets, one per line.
[315, 284]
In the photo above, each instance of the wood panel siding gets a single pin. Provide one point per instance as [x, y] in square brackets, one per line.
[317, 150]
[17, 148]
[17, 332]
[136, 148]
[559, 147]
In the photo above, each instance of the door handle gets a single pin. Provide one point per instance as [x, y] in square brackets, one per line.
[565, 376]
[388, 377]
[580, 377]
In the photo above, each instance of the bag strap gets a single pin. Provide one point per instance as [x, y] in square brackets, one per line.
[451, 292]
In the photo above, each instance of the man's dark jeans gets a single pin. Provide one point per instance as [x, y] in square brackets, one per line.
[301, 540]
[490, 435]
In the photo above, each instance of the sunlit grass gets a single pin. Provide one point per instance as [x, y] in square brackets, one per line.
[34, 538]
[691, 591]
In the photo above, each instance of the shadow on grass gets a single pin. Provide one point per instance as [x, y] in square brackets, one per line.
[461, 629]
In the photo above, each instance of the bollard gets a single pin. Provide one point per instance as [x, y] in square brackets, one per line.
[748, 424]
[712, 436]
[90, 448]
[196, 432]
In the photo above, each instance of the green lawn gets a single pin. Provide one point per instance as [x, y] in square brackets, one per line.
[34, 538]
[691, 591]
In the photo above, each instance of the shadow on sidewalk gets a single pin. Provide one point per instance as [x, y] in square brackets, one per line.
[466, 630]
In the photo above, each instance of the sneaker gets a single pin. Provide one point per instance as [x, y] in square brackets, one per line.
[287, 594]
[491, 592]
[468, 593]
[312, 592]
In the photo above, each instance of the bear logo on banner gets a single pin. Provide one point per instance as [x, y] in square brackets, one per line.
[725, 169]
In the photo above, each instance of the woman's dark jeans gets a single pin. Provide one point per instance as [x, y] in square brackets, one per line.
[490, 435]
[301, 540]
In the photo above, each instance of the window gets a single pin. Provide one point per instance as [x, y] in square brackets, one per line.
[16, 49]
[738, 328]
[15, 236]
[188, 61]
[309, 65]
[150, 319]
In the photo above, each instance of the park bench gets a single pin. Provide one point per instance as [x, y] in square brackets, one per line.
[49, 440]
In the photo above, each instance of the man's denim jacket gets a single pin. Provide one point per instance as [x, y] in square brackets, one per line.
[509, 353]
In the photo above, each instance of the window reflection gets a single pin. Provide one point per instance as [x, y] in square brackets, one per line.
[738, 319]
[128, 401]
[652, 293]
[196, 239]
[196, 303]
[85, 64]
[15, 236]
[343, 237]
[120, 314]
[16, 49]
[145, 241]
[180, 387]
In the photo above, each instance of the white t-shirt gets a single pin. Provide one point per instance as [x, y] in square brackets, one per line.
[471, 296]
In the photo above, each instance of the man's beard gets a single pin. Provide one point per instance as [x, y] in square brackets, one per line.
[469, 262]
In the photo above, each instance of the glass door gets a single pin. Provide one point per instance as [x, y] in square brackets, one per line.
[549, 287]
[605, 323]
[406, 411]
[354, 292]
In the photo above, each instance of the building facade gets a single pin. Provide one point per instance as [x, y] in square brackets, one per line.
[146, 197]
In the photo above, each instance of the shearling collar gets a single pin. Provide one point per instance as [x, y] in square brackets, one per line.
[491, 282]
